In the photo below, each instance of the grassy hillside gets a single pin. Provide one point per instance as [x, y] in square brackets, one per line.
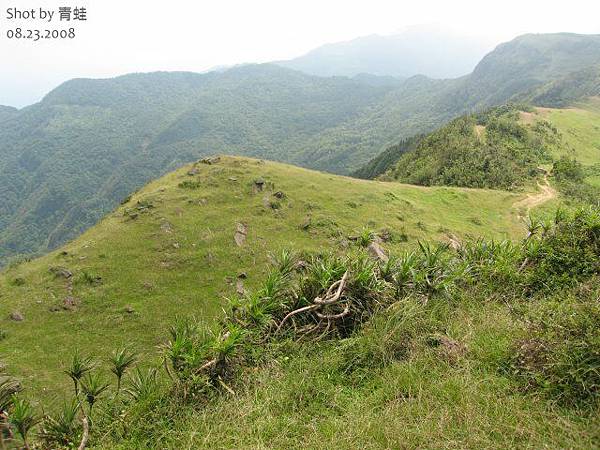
[502, 147]
[572, 88]
[576, 165]
[170, 251]
[580, 128]
[531, 69]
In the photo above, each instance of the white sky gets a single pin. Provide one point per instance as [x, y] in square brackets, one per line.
[122, 36]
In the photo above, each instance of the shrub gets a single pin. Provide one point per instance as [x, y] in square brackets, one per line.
[561, 353]
[188, 184]
[567, 169]
[568, 254]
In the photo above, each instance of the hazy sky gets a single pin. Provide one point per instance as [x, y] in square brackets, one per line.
[122, 36]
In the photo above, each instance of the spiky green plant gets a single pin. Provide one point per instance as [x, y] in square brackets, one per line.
[92, 387]
[8, 387]
[121, 360]
[285, 262]
[189, 345]
[23, 418]
[434, 274]
[404, 272]
[62, 429]
[365, 237]
[388, 268]
[80, 365]
[225, 346]
[533, 226]
[546, 226]
[142, 384]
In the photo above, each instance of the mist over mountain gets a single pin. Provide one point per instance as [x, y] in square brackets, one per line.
[416, 51]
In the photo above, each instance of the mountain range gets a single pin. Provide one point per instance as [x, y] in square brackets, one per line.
[422, 50]
[66, 161]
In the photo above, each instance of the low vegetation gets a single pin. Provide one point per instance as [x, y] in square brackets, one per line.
[324, 329]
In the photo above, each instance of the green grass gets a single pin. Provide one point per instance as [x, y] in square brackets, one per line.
[580, 127]
[179, 257]
[424, 400]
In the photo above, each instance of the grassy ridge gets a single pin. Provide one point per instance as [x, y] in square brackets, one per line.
[580, 128]
[178, 255]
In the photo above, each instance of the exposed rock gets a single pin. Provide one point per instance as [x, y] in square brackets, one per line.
[453, 241]
[210, 160]
[193, 171]
[376, 251]
[70, 303]
[240, 234]
[266, 201]
[259, 184]
[279, 195]
[385, 235]
[306, 224]
[16, 316]
[166, 227]
[232, 179]
[449, 349]
[300, 265]
[242, 275]
[239, 287]
[129, 309]
[61, 272]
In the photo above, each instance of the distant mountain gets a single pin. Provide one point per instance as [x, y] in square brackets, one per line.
[563, 92]
[416, 51]
[528, 62]
[7, 111]
[69, 159]
[541, 69]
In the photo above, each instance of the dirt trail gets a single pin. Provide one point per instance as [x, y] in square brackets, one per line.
[546, 193]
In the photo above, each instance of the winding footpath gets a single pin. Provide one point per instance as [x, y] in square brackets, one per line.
[545, 194]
